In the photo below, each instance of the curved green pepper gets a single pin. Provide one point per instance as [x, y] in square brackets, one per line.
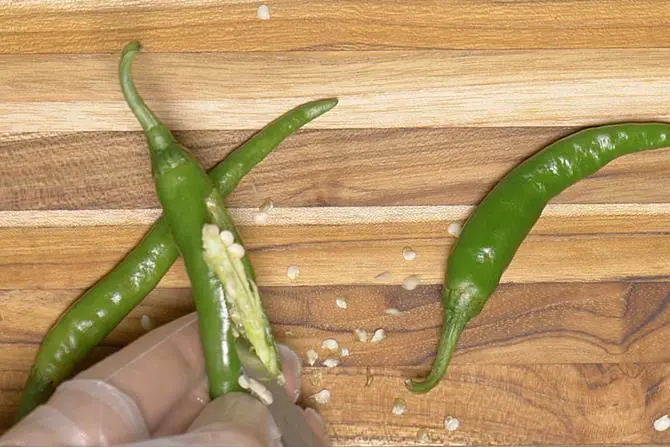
[495, 230]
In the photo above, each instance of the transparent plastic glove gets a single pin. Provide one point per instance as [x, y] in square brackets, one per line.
[154, 393]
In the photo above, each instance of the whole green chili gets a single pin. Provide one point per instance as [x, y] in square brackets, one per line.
[498, 226]
[112, 298]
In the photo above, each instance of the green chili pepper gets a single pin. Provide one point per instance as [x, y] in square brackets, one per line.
[110, 300]
[184, 191]
[498, 226]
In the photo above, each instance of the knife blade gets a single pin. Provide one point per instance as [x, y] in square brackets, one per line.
[295, 432]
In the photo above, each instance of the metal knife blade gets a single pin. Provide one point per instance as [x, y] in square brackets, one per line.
[292, 425]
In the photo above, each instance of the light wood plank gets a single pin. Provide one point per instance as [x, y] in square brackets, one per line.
[170, 25]
[390, 89]
[351, 167]
[521, 324]
[349, 254]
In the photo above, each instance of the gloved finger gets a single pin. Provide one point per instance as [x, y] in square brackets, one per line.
[316, 422]
[124, 396]
[240, 417]
[183, 414]
[235, 419]
[191, 404]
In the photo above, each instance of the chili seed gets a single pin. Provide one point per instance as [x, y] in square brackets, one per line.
[341, 303]
[399, 407]
[392, 311]
[236, 250]
[378, 336]
[662, 423]
[330, 363]
[454, 229]
[361, 334]
[312, 357]
[147, 323]
[260, 218]
[227, 237]
[411, 282]
[330, 344]
[293, 272]
[263, 12]
[408, 254]
[451, 424]
[322, 397]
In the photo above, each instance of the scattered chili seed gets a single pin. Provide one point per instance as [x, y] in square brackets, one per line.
[662, 423]
[341, 303]
[392, 311]
[399, 407]
[411, 282]
[260, 391]
[361, 334]
[408, 254]
[263, 12]
[312, 357]
[243, 382]
[451, 424]
[260, 218]
[344, 352]
[330, 363]
[454, 229]
[293, 272]
[378, 336]
[330, 344]
[147, 323]
[322, 397]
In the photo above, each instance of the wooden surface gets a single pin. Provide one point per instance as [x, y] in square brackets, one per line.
[437, 101]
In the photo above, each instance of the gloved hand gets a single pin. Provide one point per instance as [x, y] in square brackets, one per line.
[154, 393]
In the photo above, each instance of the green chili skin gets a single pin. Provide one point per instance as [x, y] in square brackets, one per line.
[501, 222]
[183, 189]
[114, 296]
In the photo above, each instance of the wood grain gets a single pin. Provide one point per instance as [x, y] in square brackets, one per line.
[438, 100]
[231, 25]
[608, 322]
[501, 362]
[347, 254]
[349, 167]
[431, 88]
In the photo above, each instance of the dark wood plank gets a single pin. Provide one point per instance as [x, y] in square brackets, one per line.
[312, 168]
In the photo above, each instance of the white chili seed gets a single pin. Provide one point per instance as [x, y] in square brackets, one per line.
[293, 272]
[227, 237]
[263, 12]
[330, 344]
[408, 254]
[378, 336]
[236, 250]
[411, 282]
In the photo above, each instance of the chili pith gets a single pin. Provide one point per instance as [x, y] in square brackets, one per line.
[112, 298]
[498, 226]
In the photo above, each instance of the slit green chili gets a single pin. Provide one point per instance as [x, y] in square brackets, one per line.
[184, 191]
[112, 298]
[495, 230]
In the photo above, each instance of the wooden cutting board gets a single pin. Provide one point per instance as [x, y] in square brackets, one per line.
[438, 99]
